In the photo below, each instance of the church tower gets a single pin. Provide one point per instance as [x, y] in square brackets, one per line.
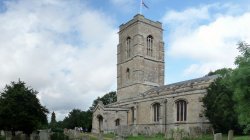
[140, 57]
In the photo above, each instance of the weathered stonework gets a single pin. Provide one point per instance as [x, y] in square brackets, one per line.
[140, 85]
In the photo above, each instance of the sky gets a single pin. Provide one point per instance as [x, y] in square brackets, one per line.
[66, 49]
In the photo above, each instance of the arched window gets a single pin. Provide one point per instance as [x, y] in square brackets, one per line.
[181, 110]
[156, 112]
[128, 73]
[117, 122]
[150, 45]
[128, 44]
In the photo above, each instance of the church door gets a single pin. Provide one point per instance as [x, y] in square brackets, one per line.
[100, 121]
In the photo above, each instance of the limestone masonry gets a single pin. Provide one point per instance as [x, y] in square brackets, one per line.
[144, 104]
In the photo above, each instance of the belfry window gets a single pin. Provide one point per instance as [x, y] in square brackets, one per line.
[117, 122]
[128, 44]
[128, 73]
[150, 45]
[156, 112]
[132, 115]
[181, 110]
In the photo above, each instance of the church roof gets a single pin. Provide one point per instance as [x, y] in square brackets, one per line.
[175, 88]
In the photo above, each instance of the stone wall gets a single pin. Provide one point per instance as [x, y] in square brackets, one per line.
[190, 91]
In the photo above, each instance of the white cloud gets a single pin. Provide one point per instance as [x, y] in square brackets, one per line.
[63, 49]
[206, 36]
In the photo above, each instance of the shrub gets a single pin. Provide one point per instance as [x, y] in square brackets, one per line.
[59, 136]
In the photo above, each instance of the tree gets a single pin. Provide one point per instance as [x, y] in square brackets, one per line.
[78, 118]
[74, 119]
[241, 84]
[53, 120]
[108, 98]
[219, 104]
[20, 109]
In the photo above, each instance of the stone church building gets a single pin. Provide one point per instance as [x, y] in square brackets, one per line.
[144, 104]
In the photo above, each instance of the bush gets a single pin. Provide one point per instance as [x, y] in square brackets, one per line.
[59, 136]
[57, 130]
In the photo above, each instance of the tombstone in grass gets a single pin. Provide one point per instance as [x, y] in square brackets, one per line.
[34, 136]
[218, 136]
[44, 135]
[230, 134]
[8, 135]
[2, 133]
[100, 137]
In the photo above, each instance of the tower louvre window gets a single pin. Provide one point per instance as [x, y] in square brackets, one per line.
[128, 44]
[150, 45]
[133, 115]
[128, 73]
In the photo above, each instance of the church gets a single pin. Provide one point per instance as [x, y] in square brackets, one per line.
[144, 104]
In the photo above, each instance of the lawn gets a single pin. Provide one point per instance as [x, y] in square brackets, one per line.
[206, 137]
[161, 137]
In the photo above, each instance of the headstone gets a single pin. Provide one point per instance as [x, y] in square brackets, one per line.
[230, 134]
[8, 135]
[218, 136]
[34, 136]
[44, 135]
[100, 137]
[2, 133]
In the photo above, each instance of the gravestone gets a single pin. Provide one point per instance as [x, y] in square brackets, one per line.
[8, 135]
[230, 134]
[34, 136]
[100, 137]
[2, 133]
[44, 135]
[218, 136]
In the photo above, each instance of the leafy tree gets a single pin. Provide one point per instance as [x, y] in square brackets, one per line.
[78, 118]
[219, 104]
[53, 120]
[20, 109]
[222, 72]
[108, 98]
[241, 84]
[74, 119]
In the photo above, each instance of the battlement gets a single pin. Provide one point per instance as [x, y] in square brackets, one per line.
[140, 18]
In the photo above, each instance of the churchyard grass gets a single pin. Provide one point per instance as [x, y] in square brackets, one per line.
[205, 137]
[110, 136]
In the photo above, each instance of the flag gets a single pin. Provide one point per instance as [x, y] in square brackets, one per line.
[142, 2]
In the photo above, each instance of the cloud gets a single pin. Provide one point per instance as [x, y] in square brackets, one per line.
[63, 49]
[207, 35]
